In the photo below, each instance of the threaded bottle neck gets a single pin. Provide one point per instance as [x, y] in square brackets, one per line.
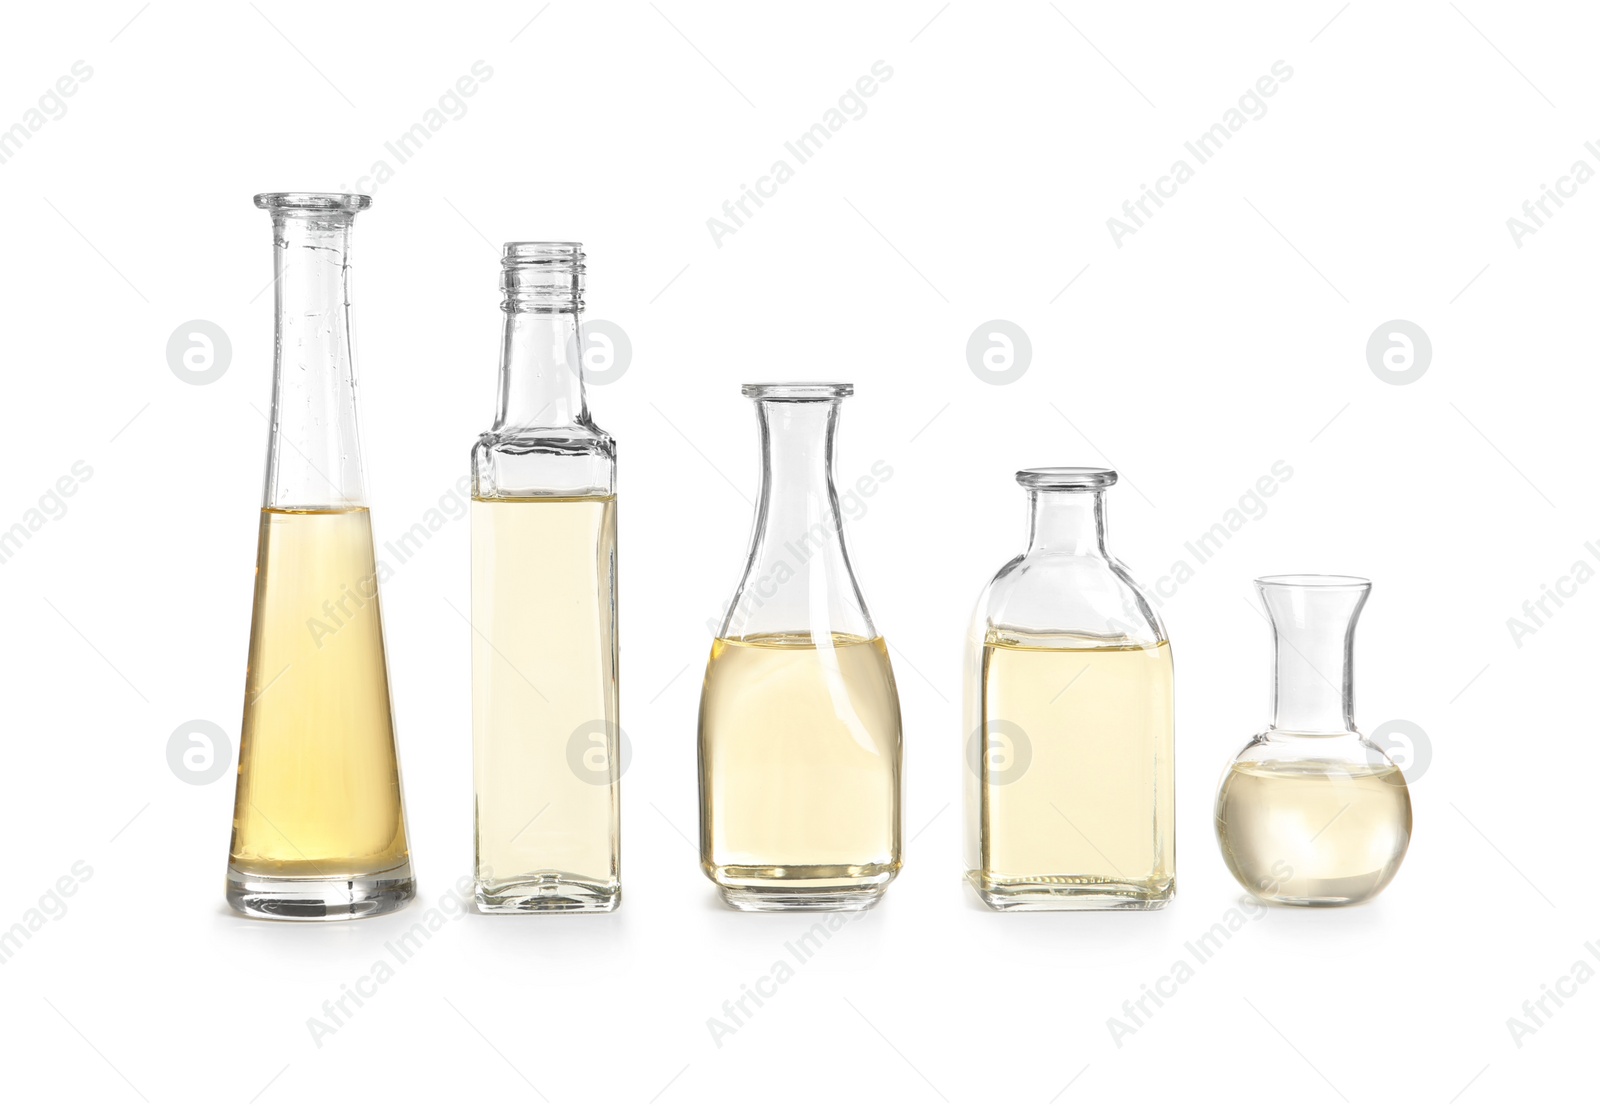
[544, 278]
[541, 362]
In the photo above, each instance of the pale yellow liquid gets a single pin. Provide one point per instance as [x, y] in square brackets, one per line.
[319, 784]
[544, 667]
[1089, 821]
[1311, 833]
[800, 770]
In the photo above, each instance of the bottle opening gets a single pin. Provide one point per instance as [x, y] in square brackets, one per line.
[1314, 580]
[1067, 478]
[798, 391]
[541, 253]
[350, 202]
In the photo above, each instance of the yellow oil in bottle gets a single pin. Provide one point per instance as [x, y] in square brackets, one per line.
[1314, 833]
[319, 782]
[544, 703]
[800, 754]
[1078, 811]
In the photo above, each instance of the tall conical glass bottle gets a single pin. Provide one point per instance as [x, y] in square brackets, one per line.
[1069, 718]
[545, 727]
[799, 717]
[318, 825]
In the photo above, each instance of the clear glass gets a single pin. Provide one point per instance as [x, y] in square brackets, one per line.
[1069, 721]
[545, 724]
[1311, 813]
[800, 750]
[319, 828]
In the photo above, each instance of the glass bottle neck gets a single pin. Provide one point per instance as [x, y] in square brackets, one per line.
[541, 386]
[1313, 651]
[541, 358]
[797, 493]
[314, 386]
[798, 579]
[1069, 521]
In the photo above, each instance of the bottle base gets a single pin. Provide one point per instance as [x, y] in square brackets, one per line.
[1081, 893]
[768, 900]
[320, 900]
[808, 888]
[1280, 900]
[546, 893]
[1321, 892]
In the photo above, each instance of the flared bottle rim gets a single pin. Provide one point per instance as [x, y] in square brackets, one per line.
[313, 201]
[1314, 580]
[1066, 478]
[798, 390]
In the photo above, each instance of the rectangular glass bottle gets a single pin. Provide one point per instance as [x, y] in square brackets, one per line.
[546, 737]
[1069, 719]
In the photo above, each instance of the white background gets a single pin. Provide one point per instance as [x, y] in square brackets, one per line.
[1227, 334]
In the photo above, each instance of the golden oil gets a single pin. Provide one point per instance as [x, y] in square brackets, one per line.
[319, 782]
[1314, 833]
[1071, 774]
[800, 759]
[545, 703]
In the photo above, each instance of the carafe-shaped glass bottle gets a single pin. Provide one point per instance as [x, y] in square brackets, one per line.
[1311, 813]
[318, 825]
[799, 717]
[545, 731]
[1069, 774]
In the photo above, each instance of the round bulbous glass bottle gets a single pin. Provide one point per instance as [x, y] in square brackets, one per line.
[1311, 813]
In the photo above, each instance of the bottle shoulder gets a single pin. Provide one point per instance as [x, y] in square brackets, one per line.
[544, 461]
[1056, 593]
[1292, 752]
[577, 439]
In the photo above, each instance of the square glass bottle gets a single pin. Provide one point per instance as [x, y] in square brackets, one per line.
[1069, 783]
[546, 736]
